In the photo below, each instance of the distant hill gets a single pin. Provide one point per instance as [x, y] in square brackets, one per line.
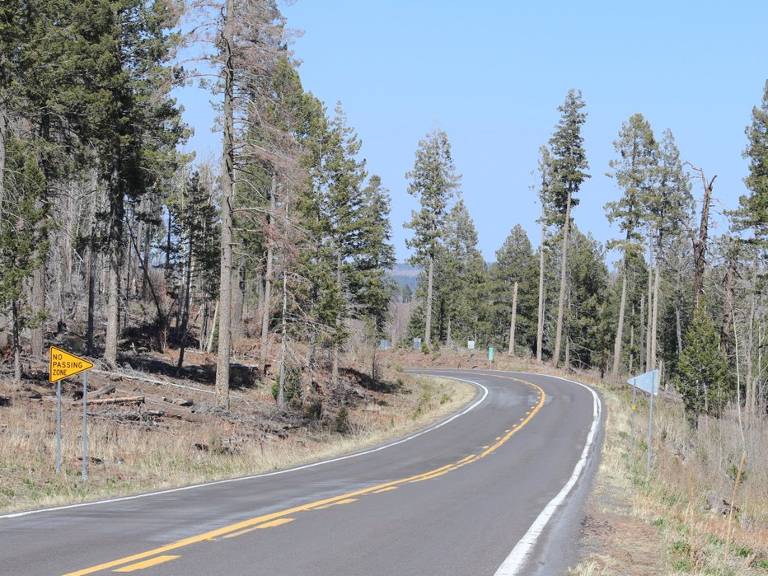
[405, 275]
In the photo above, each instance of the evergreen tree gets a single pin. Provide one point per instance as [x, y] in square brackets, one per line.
[702, 377]
[433, 180]
[569, 165]
[753, 207]
[515, 264]
[23, 238]
[635, 170]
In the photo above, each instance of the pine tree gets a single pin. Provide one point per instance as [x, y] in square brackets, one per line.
[702, 377]
[753, 207]
[433, 180]
[635, 171]
[569, 165]
[515, 265]
[23, 238]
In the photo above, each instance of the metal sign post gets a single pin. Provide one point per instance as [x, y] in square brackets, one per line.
[58, 427]
[85, 426]
[650, 427]
[649, 383]
[63, 364]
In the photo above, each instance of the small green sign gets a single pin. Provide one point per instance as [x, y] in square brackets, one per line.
[490, 353]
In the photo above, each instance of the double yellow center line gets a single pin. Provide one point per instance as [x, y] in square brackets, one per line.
[158, 555]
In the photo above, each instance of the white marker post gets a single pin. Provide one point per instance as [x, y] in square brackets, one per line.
[650, 424]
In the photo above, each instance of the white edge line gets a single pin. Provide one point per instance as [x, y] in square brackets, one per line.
[268, 474]
[515, 562]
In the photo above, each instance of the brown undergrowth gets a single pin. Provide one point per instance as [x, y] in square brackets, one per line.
[175, 436]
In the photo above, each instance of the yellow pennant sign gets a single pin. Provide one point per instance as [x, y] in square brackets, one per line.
[64, 364]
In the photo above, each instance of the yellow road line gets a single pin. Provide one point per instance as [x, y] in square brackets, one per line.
[319, 504]
[146, 564]
[339, 503]
[272, 524]
[388, 489]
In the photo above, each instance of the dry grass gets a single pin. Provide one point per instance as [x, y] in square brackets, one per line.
[688, 498]
[134, 457]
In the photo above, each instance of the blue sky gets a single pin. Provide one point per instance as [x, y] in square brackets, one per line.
[491, 74]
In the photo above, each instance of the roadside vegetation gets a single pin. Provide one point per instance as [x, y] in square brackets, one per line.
[176, 437]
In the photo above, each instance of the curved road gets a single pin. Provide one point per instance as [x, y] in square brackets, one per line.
[496, 490]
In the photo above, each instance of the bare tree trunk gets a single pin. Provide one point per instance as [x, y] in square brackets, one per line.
[227, 191]
[700, 241]
[567, 364]
[266, 315]
[283, 344]
[185, 312]
[428, 311]
[113, 329]
[563, 282]
[3, 135]
[642, 354]
[631, 347]
[38, 306]
[678, 330]
[649, 319]
[335, 366]
[513, 321]
[540, 323]
[91, 281]
[16, 343]
[750, 400]
[238, 297]
[619, 340]
[655, 321]
[147, 245]
[212, 332]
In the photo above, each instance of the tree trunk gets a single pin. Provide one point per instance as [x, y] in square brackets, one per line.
[283, 344]
[16, 343]
[649, 321]
[113, 309]
[38, 305]
[631, 347]
[227, 191]
[700, 241]
[91, 281]
[540, 323]
[428, 311]
[145, 259]
[619, 340]
[642, 351]
[266, 315]
[678, 330]
[513, 321]
[335, 367]
[3, 135]
[563, 281]
[448, 338]
[185, 312]
[213, 329]
[655, 319]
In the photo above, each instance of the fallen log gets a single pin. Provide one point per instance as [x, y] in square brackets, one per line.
[123, 400]
[103, 391]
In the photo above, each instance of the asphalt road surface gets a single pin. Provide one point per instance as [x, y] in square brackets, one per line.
[497, 489]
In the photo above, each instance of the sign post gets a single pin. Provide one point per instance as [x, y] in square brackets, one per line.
[58, 427]
[85, 426]
[649, 383]
[61, 365]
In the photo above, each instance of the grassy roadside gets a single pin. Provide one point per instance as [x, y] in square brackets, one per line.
[134, 457]
[690, 515]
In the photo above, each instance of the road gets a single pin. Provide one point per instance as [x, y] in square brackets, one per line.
[497, 489]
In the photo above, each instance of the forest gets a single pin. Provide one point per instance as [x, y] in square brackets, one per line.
[113, 238]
